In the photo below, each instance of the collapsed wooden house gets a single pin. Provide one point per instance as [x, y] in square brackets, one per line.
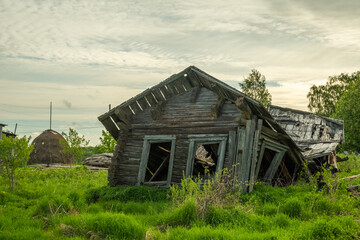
[316, 136]
[192, 124]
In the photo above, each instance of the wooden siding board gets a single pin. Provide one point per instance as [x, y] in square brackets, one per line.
[254, 155]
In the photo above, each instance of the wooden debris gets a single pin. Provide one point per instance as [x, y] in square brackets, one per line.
[350, 178]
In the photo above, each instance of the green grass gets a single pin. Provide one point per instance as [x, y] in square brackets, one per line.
[77, 204]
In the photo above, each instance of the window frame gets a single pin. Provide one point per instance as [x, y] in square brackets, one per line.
[203, 139]
[148, 140]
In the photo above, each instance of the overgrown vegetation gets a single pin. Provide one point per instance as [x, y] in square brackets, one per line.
[14, 153]
[107, 143]
[74, 145]
[75, 203]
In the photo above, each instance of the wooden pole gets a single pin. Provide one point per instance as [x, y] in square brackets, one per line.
[50, 113]
[15, 128]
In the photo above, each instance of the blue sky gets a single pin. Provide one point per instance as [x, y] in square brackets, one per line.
[84, 55]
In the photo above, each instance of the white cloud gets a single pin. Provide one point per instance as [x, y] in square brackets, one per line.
[93, 53]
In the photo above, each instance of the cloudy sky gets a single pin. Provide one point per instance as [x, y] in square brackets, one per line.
[84, 55]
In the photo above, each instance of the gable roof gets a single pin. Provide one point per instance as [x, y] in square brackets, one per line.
[316, 136]
[184, 81]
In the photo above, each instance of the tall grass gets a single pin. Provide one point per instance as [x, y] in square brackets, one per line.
[75, 203]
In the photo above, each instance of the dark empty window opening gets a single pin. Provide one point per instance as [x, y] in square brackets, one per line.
[265, 163]
[206, 160]
[158, 162]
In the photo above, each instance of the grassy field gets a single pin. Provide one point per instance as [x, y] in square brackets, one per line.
[75, 203]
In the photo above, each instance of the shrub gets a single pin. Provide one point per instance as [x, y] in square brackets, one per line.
[217, 191]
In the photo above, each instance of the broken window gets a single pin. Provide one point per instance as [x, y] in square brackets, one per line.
[206, 159]
[266, 162]
[157, 160]
[206, 154]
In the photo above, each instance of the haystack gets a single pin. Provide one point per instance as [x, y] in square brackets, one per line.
[47, 149]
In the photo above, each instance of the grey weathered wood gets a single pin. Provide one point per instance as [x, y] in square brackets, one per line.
[143, 163]
[245, 162]
[221, 154]
[269, 175]
[179, 86]
[167, 92]
[135, 107]
[186, 83]
[143, 104]
[232, 146]
[156, 112]
[171, 161]
[258, 165]
[123, 116]
[241, 136]
[194, 94]
[216, 108]
[111, 127]
[254, 156]
[190, 162]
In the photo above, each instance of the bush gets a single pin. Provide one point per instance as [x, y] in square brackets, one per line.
[217, 191]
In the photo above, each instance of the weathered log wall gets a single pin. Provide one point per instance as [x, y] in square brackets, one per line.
[181, 116]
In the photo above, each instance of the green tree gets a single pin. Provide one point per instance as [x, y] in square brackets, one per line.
[348, 109]
[14, 153]
[323, 98]
[255, 86]
[107, 144]
[74, 145]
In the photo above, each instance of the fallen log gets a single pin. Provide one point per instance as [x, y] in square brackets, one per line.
[353, 188]
[350, 178]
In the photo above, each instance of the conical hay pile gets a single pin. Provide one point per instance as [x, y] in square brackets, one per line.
[47, 149]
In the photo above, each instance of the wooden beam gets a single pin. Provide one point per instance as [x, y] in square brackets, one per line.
[245, 161]
[156, 112]
[111, 127]
[216, 108]
[239, 152]
[194, 94]
[350, 178]
[270, 173]
[285, 171]
[232, 147]
[258, 165]
[159, 168]
[255, 155]
[242, 105]
[122, 115]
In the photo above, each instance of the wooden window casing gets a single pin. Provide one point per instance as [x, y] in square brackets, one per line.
[148, 140]
[195, 140]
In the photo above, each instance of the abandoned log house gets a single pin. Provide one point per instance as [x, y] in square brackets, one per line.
[192, 124]
[316, 136]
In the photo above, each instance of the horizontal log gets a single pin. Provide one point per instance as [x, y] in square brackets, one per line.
[353, 188]
[350, 178]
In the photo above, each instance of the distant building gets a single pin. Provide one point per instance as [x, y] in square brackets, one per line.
[1, 127]
[7, 134]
